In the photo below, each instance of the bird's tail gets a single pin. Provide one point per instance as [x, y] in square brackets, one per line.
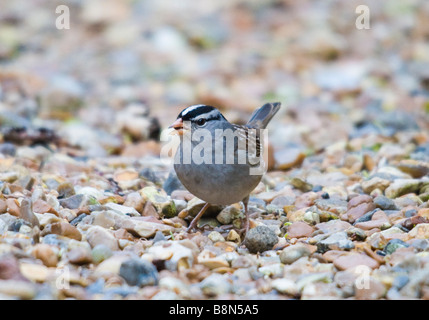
[262, 116]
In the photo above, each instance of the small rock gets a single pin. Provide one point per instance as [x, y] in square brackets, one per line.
[358, 206]
[34, 272]
[228, 214]
[378, 220]
[356, 234]
[26, 212]
[215, 285]
[393, 245]
[13, 207]
[336, 241]
[400, 187]
[9, 268]
[384, 203]
[352, 260]
[292, 253]
[333, 226]
[301, 184]
[63, 229]
[215, 236]
[135, 200]
[260, 239]
[159, 236]
[65, 190]
[40, 206]
[98, 235]
[373, 289]
[100, 253]
[299, 229]
[416, 169]
[172, 183]
[46, 254]
[79, 255]
[139, 272]
[18, 288]
[3, 206]
[233, 236]
[375, 183]
[420, 231]
[285, 286]
[161, 202]
[73, 202]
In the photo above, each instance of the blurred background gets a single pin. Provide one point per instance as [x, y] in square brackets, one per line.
[124, 69]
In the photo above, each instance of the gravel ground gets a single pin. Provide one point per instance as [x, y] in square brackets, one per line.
[89, 210]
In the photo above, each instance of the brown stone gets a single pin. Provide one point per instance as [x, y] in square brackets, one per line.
[123, 234]
[299, 229]
[134, 200]
[3, 206]
[371, 290]
[378, 219]
[79, 255]
[182, 195]
[64, 229]
[352, 260]
[413, 221]
[26, 212]
[358, 206]
[40, 206]
[331, 255]
[9, 268]
[46, 254]
[13, 207]
[424, 212]
[358, 200]
[420, 231]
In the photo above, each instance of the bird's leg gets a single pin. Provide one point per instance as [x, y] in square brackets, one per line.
[197, 217]
[246, 213]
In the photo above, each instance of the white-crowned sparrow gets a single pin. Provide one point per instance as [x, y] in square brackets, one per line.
[222, 178]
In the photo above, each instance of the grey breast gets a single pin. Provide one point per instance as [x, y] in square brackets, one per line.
[216, 182]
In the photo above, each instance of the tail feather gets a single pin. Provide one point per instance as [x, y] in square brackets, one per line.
[262, 116]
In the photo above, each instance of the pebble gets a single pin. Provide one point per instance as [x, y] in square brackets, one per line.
[19, 289]
[299, 229]
[403, 186]
[215, 236]
[98, 235]
[294, 252]
[64, 229]
[336, 241]
[228, 214]
[79, 255]
[375, 183]
[393, 245]
[384, 203]
[139, 272]
[260, 239]
[215, 285]
[101, 252]
[358, 206]
[378, 219]
[46, 254]
[420, 231]
[353, 260]
[285, 286]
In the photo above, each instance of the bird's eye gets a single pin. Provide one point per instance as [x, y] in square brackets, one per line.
[201, 121]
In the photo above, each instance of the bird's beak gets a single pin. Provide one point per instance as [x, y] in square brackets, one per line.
[178, 126]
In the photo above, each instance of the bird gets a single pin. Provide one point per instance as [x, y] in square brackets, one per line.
[213, 170]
